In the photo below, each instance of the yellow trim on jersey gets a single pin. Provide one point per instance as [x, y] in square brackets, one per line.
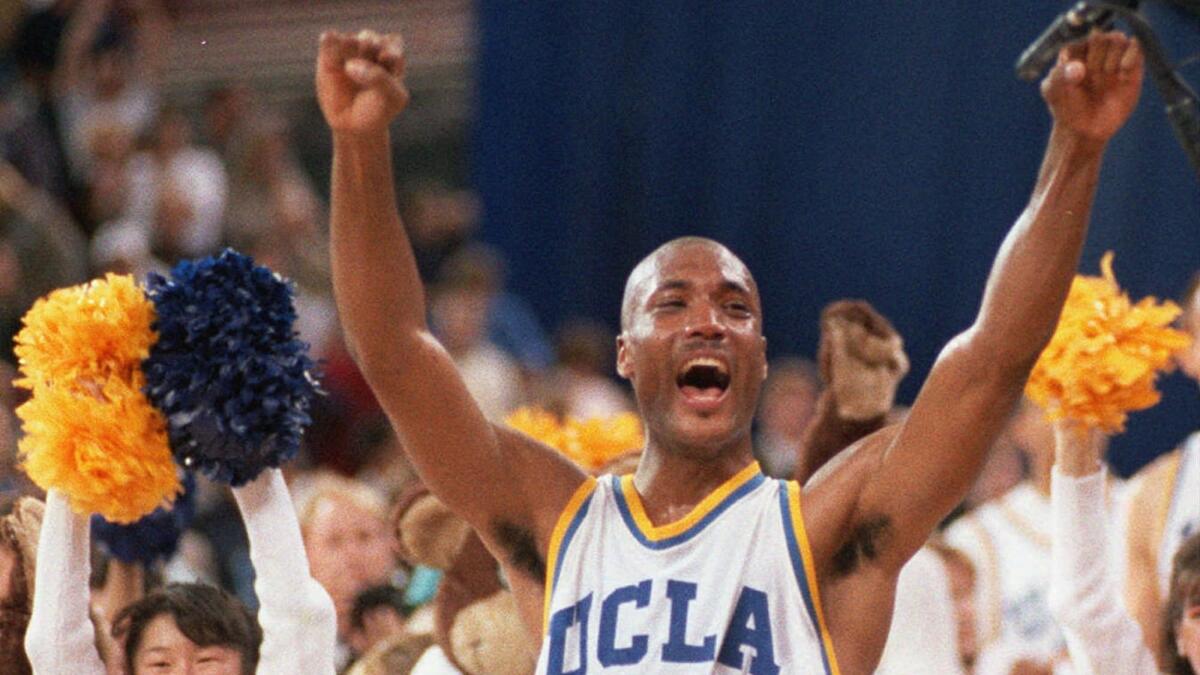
[560, 529]
[810, 572]
[1170, 486]
[714, 499]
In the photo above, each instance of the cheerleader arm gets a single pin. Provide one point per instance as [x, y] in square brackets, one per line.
[61, 639]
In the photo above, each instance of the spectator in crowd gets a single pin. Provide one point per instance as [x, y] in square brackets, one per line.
[189, 622]
[580, 385]
[378, 616]
[787, 406]
[1085, 590]
[19, 529]
[1008, 542]
[348, 545]
[173, 163]
[106, 77]
[29, 135]
[1165, 504]
[510, 322]
[40, 250]
[441, 221]
[459, 315]
[266, 182]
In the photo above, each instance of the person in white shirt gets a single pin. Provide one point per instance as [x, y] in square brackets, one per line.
[1165, 502]
[298, 625]
[1085, 590]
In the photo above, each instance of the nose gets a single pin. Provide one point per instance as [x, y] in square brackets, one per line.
[705, 322]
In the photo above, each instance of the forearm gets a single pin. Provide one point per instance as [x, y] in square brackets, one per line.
[1083, 589]
[61, 638]
[1037, 261]
[296, 614]
[827, 435]
[378, 291]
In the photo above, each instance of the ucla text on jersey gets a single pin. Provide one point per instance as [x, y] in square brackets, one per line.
[730, 588]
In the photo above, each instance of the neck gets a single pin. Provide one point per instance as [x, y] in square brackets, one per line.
[671, 482]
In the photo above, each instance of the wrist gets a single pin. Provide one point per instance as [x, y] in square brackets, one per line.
[1075, 143]
[361, 139]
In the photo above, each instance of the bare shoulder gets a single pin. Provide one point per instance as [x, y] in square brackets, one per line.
[839, 535]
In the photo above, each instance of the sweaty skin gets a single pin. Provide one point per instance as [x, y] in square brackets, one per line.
[692, 307]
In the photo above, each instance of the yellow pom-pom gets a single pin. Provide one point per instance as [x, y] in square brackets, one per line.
[90, 432]
[538, 424]
[86, 333]
[599, 440]
[590, 443]
[108, 454]
[1105, 354]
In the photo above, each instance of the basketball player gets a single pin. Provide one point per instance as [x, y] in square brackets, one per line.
[698, 563]
[1165, 506]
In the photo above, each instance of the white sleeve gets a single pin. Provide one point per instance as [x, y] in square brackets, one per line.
[61, 638]
[1084, 592]
[297, 617]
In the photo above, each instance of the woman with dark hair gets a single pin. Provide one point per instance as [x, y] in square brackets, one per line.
[1181, 621]
[1084, 595]
[188, 627]
[188, 622]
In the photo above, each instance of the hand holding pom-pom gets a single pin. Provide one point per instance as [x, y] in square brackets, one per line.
[89, 430]
[1105, 355]
[229, 373]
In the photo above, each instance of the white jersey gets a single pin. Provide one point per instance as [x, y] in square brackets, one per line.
[730, 588]
[1008, 541]
[1183, 514]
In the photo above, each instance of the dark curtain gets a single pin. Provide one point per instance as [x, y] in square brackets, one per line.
[876, 150]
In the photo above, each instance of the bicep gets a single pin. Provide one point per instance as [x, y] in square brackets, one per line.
[941, 446]
[486, 474]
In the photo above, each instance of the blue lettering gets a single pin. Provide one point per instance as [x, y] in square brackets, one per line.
[560, 622]
[750, 626]
[610, 654]
[676, 650]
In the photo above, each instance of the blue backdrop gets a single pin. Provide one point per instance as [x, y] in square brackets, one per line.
[842, 151]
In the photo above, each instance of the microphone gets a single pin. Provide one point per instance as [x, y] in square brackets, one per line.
[1071, 26]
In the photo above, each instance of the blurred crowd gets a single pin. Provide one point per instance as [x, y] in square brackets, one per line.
[100, 172]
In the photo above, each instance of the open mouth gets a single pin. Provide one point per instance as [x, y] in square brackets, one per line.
[703, 378]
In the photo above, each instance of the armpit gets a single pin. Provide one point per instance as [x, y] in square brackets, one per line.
[520, 548]
[865, 543]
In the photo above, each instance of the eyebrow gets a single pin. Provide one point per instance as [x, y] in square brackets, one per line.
[682, 284]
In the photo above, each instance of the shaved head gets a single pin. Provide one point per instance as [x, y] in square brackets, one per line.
[637, 285]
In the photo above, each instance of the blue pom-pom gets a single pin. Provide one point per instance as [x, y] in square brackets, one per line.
[228, 371]
[155, 537]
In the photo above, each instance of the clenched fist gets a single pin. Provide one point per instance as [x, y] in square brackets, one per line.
[360, 80]
[1094, 87]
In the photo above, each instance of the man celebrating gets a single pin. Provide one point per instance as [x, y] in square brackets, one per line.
[697, 562]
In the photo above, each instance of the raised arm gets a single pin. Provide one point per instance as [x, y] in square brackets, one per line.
[1084, 590]
[862, 361]
[980, 375]
[297, 617]
[61, 638]
[508, 488]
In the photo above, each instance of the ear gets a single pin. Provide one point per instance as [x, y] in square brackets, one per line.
[624, 367]
[764, 359]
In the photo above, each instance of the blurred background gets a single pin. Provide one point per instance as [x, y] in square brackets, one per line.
[877, 153]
